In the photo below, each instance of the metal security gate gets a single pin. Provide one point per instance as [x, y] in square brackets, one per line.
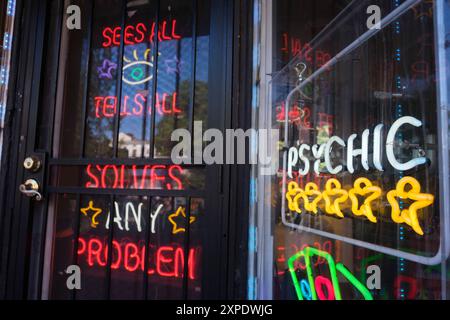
[99, 194]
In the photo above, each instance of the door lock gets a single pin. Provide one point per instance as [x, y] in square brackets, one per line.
[32, 164]
[31, 189]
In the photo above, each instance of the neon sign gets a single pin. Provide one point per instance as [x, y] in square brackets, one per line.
[134, 177]
[97, 212]
[138, 67]
[173, 66]
[106, 69]
[133, 214]
[320, 287]
[298, 47]
[107, 106]
[283, 251]
[421, 200]
[363, 187]
[180, 212]
[138, 33]
[117, 219]
[335, 197]
[166, 261]
[297, 115]
[324, 151]
[333, 188]
[137, 216]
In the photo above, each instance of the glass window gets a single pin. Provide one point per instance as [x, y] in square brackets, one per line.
[119, 208]
[358, 188]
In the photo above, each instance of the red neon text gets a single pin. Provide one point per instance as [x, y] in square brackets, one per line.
[298, 116]
[295, 46]
[106, 106]
[139, 33]
[166, 261]
[134, 177]
[283, 251]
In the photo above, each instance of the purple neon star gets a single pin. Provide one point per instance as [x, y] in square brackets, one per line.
[173, 65]
[105, 71]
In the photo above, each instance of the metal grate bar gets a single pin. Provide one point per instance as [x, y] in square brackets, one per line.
[119, 80]
[86, 81]
[155, 80]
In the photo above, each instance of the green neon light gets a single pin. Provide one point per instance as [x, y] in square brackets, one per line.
[334, 277]
[355, 282]
[297, 286]
[307, 253]
[365, 262]
[139, 75]
[310, 274]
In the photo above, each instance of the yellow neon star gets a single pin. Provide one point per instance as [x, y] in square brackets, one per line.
[97, 211]
[175, 228]
[334, 188]
[311, 190]
[363, 187]
[409, 216]
[292, 196]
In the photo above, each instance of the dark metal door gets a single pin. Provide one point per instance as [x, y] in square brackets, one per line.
[98, 105]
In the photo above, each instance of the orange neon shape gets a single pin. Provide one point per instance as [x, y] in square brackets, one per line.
[421, 200]
[292, 196]
[333, 188]
[180, 211]
[312, 190]
[97, 211]
[364, 187]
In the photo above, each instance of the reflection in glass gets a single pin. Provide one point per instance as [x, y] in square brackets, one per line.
[384, 79]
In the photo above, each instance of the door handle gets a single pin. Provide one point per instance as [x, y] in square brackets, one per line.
[30, 188]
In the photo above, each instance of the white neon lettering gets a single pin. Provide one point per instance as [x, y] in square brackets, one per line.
[390, 140]
[318, 152]
[154, 216]
[129, 206]
[328, 149]
[292, 160]
[117, 219]
[377, 151]
[323, 153]
[137, 215]
[363, 152]
[304, 159]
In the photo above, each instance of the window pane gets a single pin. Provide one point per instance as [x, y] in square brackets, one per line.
[130, 223]
[73, 73]
[174, 81]
[166, 264]
[378, 101]
[196, 239]
[103, 85]
[138, 79]
[62, 254]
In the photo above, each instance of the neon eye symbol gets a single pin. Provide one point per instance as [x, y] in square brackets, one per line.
[138, 69]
